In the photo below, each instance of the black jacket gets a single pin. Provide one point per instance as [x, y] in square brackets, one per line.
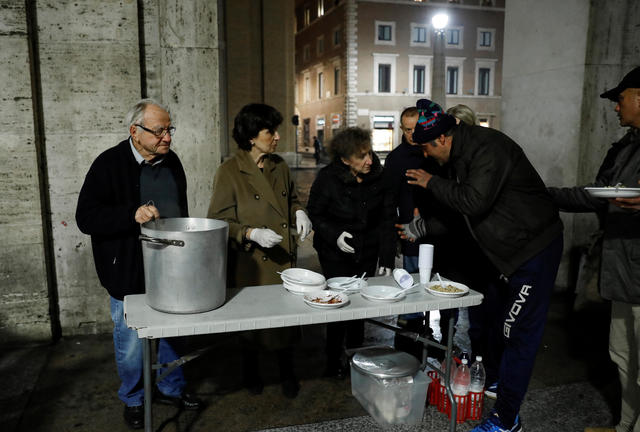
[106, 210]
[503, 199]
[402, 158]
[337, 203]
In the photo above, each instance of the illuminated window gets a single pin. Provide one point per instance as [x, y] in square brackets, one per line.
[320, 8]
[382, 133]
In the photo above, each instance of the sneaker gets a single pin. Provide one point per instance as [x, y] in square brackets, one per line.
[492, 391]
[494, 424]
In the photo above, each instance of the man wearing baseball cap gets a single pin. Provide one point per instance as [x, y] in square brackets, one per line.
[515, 223]
[620, 266]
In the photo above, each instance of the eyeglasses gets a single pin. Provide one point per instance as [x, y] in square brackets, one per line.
[160, 132]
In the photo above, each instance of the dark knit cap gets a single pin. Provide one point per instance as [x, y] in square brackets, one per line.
[630, 80]
[432, 122]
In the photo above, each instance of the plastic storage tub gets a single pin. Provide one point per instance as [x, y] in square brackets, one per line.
[389, 385]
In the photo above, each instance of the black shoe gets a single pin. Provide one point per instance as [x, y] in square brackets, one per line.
[290, 388]
[134, 416]
[186, 400]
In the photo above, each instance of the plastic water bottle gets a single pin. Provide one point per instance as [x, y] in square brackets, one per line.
[476, 389]
[461, 379]
[478, 376]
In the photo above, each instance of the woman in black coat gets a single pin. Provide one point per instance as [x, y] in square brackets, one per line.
[352, 216]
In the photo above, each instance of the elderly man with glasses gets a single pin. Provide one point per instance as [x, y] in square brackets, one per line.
[138, 180]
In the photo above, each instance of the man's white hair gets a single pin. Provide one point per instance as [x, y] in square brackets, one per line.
[136, 114]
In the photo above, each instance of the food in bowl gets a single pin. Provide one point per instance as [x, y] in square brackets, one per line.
[330, 300]
[446, 288]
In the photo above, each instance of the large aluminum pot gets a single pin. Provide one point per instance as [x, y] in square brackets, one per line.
[185, 264]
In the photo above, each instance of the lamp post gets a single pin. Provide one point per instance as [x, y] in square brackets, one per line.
[439, 22]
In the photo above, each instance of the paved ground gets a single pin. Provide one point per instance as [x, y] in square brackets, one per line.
[71, 385]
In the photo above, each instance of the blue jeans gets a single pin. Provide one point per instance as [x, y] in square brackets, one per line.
[128, 350]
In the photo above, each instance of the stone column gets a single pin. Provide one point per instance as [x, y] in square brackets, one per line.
[181, 69]
[23, 281]
[90, 77]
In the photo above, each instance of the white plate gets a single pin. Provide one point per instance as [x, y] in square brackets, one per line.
[613, 192]
[357, 284]
[324, 296]
[430, 290]
[380, 293]
[303, 289]
[300, 276]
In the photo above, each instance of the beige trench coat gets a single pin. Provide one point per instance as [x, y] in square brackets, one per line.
[246, 197]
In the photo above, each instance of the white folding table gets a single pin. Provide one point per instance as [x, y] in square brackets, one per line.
[271, 306]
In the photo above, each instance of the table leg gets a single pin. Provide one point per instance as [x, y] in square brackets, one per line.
[448, 374]
[146, 358]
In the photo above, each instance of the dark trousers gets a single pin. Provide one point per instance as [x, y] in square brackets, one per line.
[522, 304]
[349, 334]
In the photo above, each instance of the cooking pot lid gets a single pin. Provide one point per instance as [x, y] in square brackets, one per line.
[385, 362]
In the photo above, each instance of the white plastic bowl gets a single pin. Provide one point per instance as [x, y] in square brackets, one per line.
[303, 289]
[300, 276]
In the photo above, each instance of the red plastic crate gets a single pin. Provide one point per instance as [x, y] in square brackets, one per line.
[434, 388]
[461, 409]
[474, 405]
[443, 399]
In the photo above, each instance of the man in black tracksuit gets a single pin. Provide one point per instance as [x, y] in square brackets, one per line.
[516, 225]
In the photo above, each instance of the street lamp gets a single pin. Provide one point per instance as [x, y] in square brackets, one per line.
[439, 22]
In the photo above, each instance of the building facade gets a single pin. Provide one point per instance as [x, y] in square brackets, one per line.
[360, 62]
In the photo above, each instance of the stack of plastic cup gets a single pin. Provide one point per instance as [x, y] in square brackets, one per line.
[425, 262]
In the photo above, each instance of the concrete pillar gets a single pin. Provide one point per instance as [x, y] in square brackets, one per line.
[279, 70]
[89, 77]
[24, 314]
[181, 70]
[553, 74]
[260, 63]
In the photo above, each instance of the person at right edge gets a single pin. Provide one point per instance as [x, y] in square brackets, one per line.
[516, 224]
[620, 265]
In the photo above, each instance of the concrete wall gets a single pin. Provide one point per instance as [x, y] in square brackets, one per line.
[23, 280]
[89, 74]
[64, 105]
[558, 58]
[260, 57]
[181, 65]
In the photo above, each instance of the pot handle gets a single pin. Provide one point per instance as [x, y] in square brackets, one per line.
[167, 242]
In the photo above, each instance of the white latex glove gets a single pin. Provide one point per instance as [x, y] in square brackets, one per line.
[265, 237]
[303, 224]
[342, 244]
[386, 271]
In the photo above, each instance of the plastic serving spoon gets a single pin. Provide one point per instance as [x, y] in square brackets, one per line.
[396, 294]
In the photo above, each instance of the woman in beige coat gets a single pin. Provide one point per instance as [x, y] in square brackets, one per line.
[253, 191]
